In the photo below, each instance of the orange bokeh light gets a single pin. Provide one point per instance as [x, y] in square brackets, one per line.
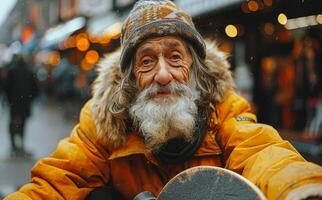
[27, 34]
[71, 42]
[94, 38]
[82, 44]
[81, 35]
[269, 28]
[85, 65]
[105, 39]
[91, 57]
[53, 58]
[253, 5]
[226, 47]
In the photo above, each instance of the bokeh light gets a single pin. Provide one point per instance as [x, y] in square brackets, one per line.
[282, 18]
[319, 19]
[53, 58]
[269, 28]
[105, 40]
[71, 42]
[231, 30]
[81, 35]
[82, 44]
[94, 38]
[253, 6]
[91, 57]
[85, 65]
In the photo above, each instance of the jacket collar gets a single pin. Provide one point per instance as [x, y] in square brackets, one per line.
[133, 145]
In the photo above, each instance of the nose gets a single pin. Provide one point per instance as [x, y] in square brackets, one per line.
[163, 75]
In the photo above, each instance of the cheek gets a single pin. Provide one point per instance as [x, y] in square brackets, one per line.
[144, 79]
[182, 72]
[140, 78]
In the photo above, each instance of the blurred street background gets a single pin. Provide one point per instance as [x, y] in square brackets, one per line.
[275, 55]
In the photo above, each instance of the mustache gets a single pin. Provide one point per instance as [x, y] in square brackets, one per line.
[174, 87]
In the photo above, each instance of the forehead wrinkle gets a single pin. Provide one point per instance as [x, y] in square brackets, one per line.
[172, 43]
[144, 49]
[149, 46]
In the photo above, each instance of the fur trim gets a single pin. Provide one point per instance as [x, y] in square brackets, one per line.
[112, 130]
[109, 128]
[305, 191]
[216, 61]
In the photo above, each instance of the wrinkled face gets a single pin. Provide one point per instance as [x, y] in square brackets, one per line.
[162, 60]
[165, 107]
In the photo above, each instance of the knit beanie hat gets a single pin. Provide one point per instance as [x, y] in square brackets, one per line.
[150, 18]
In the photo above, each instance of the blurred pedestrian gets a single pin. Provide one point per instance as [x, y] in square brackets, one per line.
[65, 87]
[2, 86]
[313, 128]
[21, 90]
[307, 106]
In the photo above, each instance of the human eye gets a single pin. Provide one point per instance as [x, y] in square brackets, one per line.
[175, 56]
[146, 63]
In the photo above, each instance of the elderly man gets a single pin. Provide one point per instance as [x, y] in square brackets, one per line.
[163, 104]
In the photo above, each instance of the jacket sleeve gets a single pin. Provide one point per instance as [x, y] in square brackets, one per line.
[77, 166]
[257, 152]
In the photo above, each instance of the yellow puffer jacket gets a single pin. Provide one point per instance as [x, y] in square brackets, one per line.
[80, 163]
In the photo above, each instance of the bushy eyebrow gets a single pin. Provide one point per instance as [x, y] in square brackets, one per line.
[172, 43]
[168, 43]
[144, 50]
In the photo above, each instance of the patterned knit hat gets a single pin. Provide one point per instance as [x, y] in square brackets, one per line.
[151, 18]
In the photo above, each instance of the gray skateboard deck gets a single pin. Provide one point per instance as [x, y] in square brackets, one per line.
[210, 183]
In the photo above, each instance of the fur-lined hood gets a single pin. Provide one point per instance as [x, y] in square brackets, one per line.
[112, 129]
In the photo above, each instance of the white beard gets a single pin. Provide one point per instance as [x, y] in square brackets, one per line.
[160, 119]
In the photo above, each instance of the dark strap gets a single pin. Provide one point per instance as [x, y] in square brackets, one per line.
[104, 193]
[178, 150]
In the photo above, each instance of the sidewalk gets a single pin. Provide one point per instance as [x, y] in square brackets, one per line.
[44, 129]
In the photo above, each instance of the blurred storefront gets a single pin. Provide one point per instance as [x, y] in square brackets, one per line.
[269, 38]
[275, 49]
